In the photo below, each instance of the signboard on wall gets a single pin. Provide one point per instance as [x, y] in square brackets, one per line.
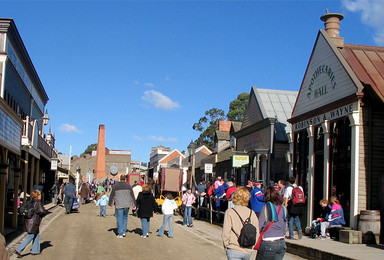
[325, 82]
[330, 115]
[54, 165]
[208, 168]
[240, 160]
[256, 140]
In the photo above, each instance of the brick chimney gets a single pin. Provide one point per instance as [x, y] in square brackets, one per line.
[225, 126]
[332, 27]
[100, 156]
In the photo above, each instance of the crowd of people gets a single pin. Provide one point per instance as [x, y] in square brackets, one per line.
[274, 212]
[271, 211]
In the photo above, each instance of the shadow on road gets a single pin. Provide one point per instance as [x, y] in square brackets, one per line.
[45, 245]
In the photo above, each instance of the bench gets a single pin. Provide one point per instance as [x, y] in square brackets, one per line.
[334, 231]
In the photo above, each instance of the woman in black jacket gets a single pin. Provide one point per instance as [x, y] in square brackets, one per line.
[147, 205]
[31, 225]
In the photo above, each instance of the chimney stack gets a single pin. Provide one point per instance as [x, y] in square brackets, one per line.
[100, 156]
[332, 27]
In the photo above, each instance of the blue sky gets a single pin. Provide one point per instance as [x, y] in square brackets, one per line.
[148, 70]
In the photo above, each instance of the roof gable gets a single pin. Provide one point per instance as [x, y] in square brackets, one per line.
[170, 156]
[254, 112]
[328, 77]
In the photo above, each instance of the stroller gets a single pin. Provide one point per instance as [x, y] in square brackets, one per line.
[75, 205]
[315, 230]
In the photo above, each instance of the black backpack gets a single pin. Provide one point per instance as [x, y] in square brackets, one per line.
[28, 210]
[247, 237]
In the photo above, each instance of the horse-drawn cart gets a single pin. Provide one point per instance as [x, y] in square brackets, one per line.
[169, 181]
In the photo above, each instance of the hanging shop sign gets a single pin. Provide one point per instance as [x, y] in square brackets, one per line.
[208, 168]
[240, 160]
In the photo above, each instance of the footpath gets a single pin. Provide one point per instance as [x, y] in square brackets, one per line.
[329, 249]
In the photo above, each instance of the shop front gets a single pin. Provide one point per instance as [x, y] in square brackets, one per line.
[335, 139]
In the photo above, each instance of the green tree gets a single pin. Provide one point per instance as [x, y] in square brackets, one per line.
[207, 125]
[90, 148]
[238, 107]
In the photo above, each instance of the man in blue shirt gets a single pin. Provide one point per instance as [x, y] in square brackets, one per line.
[69, 192]
[257, 198]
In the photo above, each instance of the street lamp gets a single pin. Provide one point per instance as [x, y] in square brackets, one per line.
[45, 121]
[191, 150]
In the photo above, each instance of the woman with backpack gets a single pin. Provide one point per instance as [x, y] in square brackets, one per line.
[31, 226]
[273, 225]
[238, 242]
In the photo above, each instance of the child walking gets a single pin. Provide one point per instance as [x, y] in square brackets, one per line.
[169, 205]
[188, 199]
[102, 202]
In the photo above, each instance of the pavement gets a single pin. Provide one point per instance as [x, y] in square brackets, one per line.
[309, 248]
[70, 236]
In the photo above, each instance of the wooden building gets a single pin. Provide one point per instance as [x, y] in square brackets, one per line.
[26, 152]
[337, 138]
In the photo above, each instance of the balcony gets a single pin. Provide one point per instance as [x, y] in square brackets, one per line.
[32, 137]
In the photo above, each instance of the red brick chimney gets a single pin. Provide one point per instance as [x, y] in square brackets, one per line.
[332, 27]
[100, 157]
[225, 126]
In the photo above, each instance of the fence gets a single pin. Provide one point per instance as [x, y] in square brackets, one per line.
[208, 206]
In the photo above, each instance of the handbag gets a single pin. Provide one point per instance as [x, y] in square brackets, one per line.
[257, 246]
[75, 204]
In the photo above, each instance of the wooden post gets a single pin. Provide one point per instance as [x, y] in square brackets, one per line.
[16, 192]
[210, 210]
[37, 173]
[3, 178]
[32, 174]
[25, 178]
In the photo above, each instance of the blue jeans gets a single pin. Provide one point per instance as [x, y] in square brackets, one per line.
[272, 250]
[35, 244]
[122, 220]
[55, 198]
[187, 214]
[145, 226]
[166, 218]
[295, 218]
[234, 255]
[103, 211]
[68, 202]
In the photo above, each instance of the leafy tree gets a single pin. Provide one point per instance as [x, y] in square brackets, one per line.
[238, 107]
[90, 148]
[207, 125]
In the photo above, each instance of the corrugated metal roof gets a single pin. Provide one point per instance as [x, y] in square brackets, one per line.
[277, 104]
[367, 62]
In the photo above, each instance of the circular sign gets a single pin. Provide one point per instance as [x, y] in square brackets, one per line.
[113, 170]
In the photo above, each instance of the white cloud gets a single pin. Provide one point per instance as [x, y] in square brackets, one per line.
[159, 100]
[136, 82]
[138, 138]
[372, 13]
[69, 129]
[162, 139]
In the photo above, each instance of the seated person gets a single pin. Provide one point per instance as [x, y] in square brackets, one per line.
[335, 217]
[326, 209]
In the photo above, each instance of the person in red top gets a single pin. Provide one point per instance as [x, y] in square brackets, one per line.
[231, 189]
